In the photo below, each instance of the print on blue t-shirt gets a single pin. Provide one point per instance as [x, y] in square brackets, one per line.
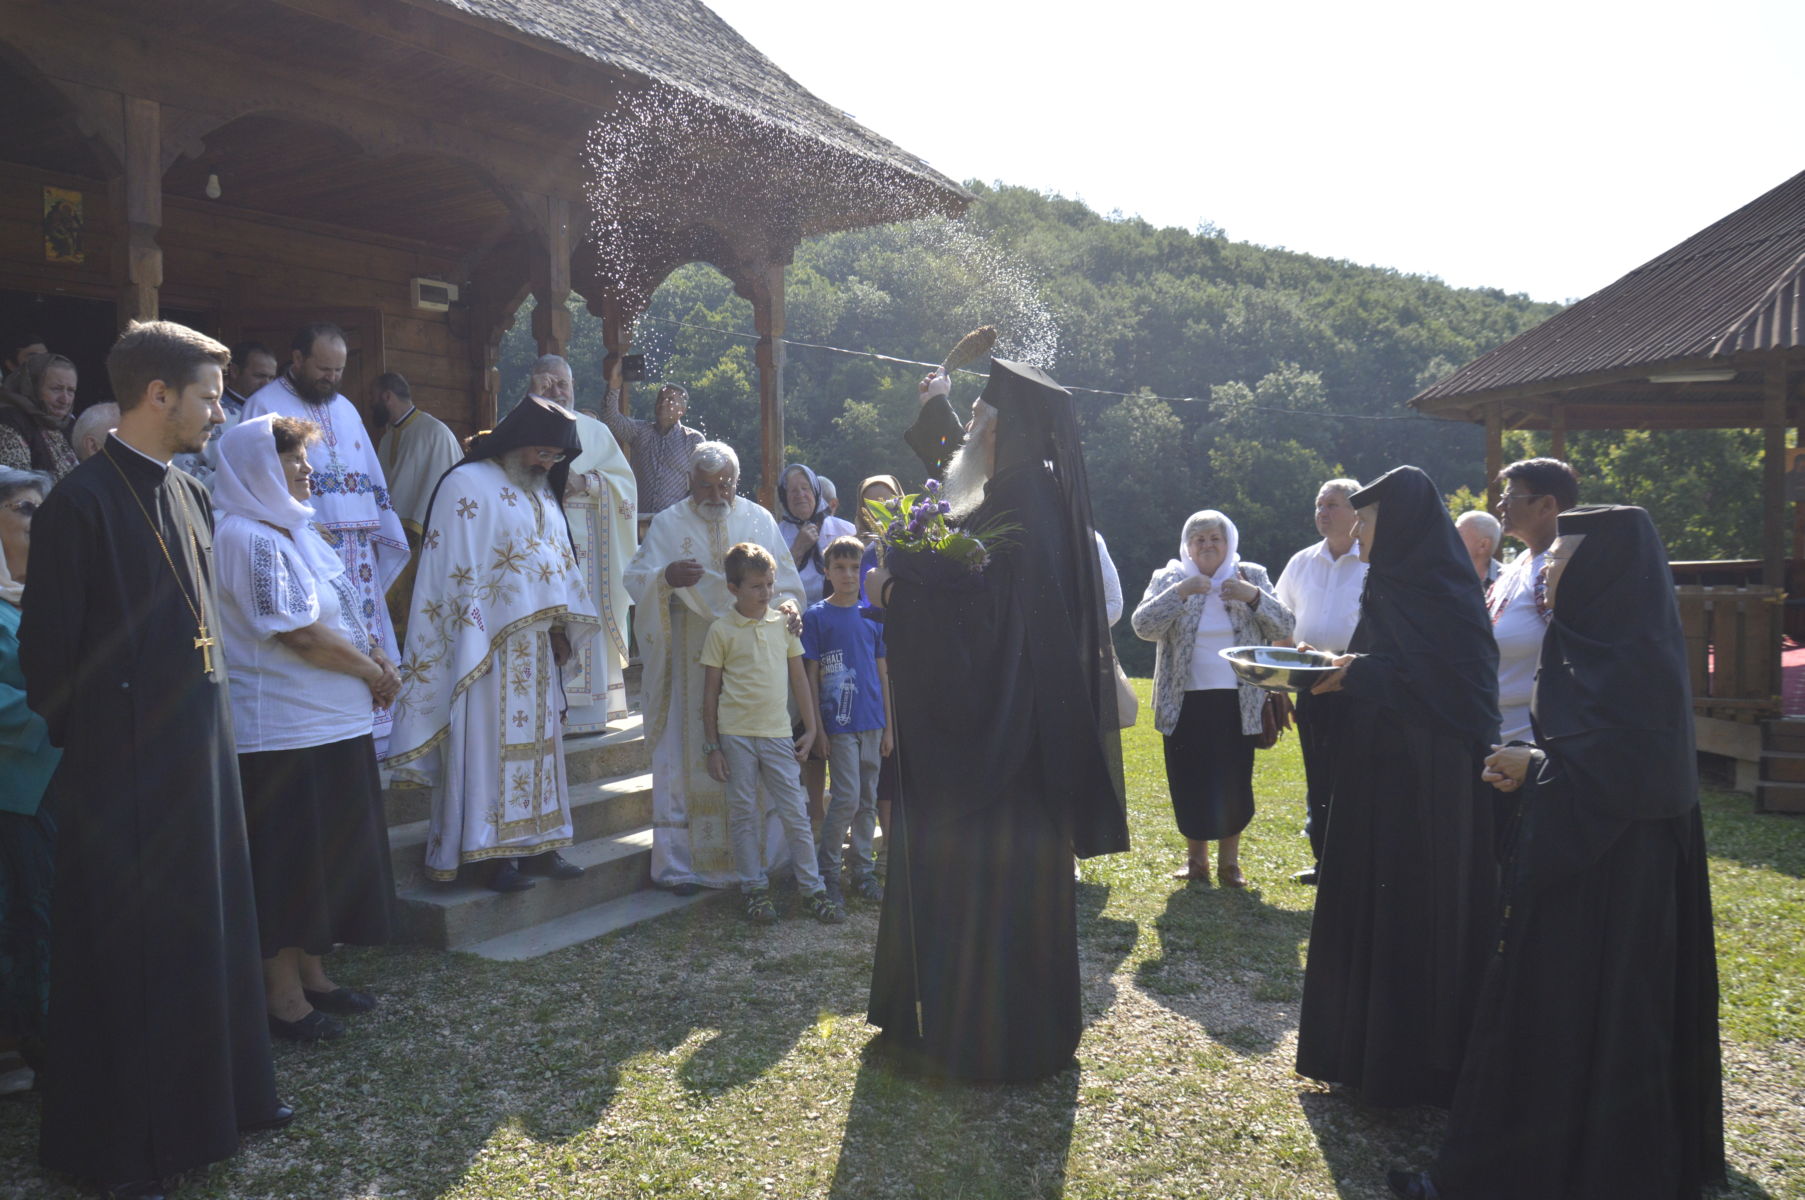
[847, 647]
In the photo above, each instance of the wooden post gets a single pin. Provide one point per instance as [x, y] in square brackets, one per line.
[767, 318]
[1494, 452]
[141, 263]
[551, 280]
[1773, 491]
[617, 336]
[1557, 431]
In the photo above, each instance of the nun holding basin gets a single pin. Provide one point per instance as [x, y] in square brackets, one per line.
[1200, 603]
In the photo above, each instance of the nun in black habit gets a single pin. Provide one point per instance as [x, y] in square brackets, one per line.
[1407, 891]
[1010, 761]
[1594, 1069]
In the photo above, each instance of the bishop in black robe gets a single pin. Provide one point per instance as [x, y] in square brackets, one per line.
[1009, 762]
[1407, 890]
[1594, 1068]
[158, 1048]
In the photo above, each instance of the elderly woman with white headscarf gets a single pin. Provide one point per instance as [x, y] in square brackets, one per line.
[1205, 600]
[305, 679]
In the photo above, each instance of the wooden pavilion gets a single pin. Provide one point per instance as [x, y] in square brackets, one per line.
[248, 165]
[1709, 335]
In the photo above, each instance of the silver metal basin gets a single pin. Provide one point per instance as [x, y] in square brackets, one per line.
[1279, 668]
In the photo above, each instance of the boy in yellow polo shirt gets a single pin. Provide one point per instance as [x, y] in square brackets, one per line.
[748, 662]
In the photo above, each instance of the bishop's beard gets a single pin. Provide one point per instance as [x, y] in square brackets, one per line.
[966, 475]
[530, 477]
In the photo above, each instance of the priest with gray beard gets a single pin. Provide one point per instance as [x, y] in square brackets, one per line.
[679, 584]
[499, 605]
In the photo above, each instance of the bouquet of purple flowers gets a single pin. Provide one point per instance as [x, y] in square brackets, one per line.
[917, 523]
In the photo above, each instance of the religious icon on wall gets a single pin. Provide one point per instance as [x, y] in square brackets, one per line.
[63, 224]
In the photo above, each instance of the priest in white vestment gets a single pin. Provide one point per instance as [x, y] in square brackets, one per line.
[350, 493]
[678, 582]
[416, 448]
[499, 605]
[601, 505]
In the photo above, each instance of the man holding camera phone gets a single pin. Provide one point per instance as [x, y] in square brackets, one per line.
[659, 449]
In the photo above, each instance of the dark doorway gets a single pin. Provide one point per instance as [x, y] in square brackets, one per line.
[82, 331]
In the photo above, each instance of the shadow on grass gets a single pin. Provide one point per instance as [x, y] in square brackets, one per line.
[976, 1141]
[1219, 949]
[1360, 1143]
[1768, 841]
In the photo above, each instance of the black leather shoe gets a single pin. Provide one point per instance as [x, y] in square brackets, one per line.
[340, 1000]
[316, 1026]
[552, 865]
[1412, 1185]
[282, 1116]
[143, 1189]
[688, 887]
[508, 877]
[1307, 876]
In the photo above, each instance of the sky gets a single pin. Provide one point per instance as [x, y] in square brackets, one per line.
[1536, 146]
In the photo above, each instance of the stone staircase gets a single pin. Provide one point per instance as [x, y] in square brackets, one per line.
[611, 809]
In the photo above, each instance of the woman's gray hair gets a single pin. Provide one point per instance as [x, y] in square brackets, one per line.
[1209, 518]
[14, 480]
[712, 457]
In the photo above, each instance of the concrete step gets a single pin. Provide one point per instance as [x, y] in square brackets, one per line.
[589, 923]
[597, 808]
[455, 916]
[620, 750]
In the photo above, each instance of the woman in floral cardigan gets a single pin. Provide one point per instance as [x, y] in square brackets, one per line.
[1203, 601]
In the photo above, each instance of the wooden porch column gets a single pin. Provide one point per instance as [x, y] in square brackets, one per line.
[1773, 490]
[767, 318]
[551, 280]
[617, 336]
[1557, 431]
[1494, 452]
[141, 260]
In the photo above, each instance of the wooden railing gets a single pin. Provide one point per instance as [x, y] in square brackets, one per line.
[1733, 649]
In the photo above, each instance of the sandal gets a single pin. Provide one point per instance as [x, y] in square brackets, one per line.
[1231, 877]
[1193, 872]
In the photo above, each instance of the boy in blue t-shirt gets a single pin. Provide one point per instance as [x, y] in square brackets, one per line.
[843, 653]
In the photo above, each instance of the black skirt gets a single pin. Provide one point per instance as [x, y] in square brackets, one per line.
[319, 846]
[1209, 766]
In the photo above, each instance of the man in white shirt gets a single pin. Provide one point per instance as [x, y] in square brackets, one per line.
[1321, 586]
[1536, 491]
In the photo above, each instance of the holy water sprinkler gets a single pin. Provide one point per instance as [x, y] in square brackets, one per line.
[971, 348]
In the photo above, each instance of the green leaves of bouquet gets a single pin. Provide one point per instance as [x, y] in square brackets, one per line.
[917, 523]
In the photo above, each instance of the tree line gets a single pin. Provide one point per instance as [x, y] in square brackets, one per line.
[1241, 376]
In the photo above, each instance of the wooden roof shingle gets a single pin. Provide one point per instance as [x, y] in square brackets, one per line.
[1738, 285]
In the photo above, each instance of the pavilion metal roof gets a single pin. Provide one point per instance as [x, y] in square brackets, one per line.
[1736, 286]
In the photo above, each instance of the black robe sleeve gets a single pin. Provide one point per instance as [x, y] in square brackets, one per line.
[936, 435]
[52, 641]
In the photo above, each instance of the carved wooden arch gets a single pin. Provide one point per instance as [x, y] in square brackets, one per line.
[98, 115]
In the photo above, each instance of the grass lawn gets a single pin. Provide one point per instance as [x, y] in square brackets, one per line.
[696, 1056]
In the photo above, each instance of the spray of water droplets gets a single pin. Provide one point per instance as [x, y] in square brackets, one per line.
[667, 163]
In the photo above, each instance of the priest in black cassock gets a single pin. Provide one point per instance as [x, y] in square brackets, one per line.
[1594, 1070]
[1010, 760]
[1407, 889]
[158, 1053]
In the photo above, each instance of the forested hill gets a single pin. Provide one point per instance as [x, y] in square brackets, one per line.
[1259, 372]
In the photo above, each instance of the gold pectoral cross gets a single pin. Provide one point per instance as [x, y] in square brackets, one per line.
[205, 643]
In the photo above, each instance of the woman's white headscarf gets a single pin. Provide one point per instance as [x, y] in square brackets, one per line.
[1226, 570]
[251, 483]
